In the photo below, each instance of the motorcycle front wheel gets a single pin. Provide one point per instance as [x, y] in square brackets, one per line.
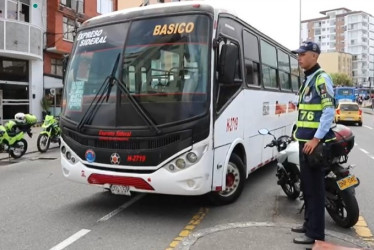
[342, 206]
[20, 148]
[43, 143]
[290, 182]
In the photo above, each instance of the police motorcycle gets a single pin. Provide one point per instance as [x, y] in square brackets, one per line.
[12, 134]
[340, 184]
[51, 133]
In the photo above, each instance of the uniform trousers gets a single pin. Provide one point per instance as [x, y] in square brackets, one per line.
[313, 188]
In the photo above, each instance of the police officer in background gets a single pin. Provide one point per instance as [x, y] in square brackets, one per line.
[315, 116]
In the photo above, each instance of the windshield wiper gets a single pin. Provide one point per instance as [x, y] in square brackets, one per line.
[137, 106]
[105, 88]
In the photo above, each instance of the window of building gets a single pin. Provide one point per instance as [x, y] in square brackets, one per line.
[2, 9]
[17, 10]
[56, 67]
[14, 70]
[104, 6]
[68, 28]
[73, 4]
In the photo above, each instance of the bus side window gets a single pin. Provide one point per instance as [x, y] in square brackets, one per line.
[228, 84]
[252, 57]
[252, 73]
[269, 65]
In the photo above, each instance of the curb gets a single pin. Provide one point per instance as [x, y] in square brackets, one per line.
[188, 242]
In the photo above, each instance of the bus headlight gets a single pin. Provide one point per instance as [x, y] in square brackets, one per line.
[187, 159]
[181, 163]
[191, 157]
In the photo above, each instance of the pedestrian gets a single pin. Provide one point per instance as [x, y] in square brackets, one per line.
[372, 103]
[313, 131]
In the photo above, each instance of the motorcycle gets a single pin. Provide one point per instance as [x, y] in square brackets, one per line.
[340, 184]
[12, 135]
[51, 133]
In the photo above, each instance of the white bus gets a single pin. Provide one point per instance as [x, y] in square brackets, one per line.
[168, 99]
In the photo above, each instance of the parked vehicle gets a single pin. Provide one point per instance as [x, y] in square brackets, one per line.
[12, 134]
[51, 133]
[348, 112]
[288, 171]
[340, 201]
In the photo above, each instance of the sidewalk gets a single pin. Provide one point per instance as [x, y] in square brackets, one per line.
[263, 235]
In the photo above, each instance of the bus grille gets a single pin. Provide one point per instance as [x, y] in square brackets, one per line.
[132, 144]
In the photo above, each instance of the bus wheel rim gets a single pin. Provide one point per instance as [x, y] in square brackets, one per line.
[232, 180]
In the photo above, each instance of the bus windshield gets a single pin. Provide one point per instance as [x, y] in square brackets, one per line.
[164, 67]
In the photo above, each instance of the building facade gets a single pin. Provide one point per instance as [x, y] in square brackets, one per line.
[64, 18]
[336, 62]
[22, 25]
[34, 38]
[343, 30]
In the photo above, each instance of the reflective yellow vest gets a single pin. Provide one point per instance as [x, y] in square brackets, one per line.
[312, 100]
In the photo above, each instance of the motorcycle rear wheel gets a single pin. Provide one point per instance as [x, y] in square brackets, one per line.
[43, 143]
[342, 206]
[20, 148]
[291, 183]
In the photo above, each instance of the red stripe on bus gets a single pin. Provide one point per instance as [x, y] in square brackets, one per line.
[102, 179]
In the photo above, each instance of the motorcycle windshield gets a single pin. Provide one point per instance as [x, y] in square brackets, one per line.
[164, 65]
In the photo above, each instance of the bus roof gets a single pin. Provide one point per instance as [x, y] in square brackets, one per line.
[162, 9]
[152, 10]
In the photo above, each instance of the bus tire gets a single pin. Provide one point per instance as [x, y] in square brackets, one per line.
[235, 178]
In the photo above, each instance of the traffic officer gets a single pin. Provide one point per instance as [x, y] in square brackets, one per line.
[315, 116]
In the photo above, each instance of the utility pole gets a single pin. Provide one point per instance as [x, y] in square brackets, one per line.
[299, 22]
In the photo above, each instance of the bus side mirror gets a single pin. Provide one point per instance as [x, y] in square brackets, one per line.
[227, 63]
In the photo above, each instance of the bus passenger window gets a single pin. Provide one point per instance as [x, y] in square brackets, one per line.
[269, 65]
[252, 58]
[252, 73]
[285, 80]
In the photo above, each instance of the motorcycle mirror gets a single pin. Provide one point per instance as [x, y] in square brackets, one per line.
[264, 131]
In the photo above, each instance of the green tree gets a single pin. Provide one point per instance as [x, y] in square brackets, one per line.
[341, 79]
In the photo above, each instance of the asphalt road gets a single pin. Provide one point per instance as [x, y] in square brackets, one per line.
[40, 209]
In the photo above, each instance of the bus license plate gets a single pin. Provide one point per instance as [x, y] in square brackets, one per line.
[347, 182]
[120, 190]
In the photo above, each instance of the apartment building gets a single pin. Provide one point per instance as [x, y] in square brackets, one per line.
[64, 18]
[34, 37]
[22, 25]
[336, 62]
[344, 30]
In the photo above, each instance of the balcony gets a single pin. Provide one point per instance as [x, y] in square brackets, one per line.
[21, 40]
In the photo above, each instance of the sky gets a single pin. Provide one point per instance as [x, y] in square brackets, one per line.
[279, 19]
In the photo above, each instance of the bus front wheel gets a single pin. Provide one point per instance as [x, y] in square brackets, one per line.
[235, 178]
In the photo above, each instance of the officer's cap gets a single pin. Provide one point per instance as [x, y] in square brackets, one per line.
[308, 46]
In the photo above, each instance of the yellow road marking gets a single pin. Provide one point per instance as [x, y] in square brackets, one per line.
[363, 231]
[196, 220]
